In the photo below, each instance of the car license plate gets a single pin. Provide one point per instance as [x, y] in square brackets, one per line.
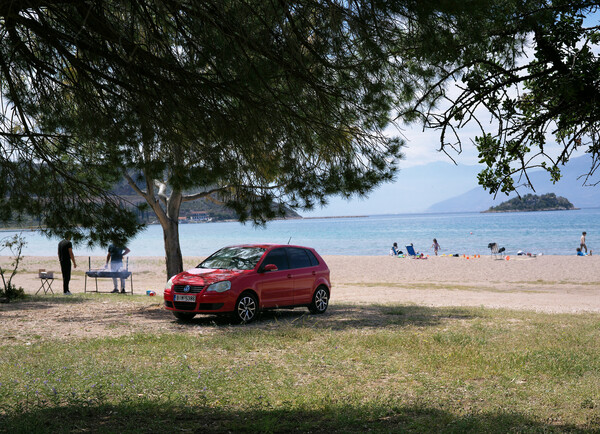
[181, 297]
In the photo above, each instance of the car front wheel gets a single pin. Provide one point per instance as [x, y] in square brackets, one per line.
[246, 308]
[184, 316]
[320, 300]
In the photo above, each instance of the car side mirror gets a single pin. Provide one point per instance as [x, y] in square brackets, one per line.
[269, 267]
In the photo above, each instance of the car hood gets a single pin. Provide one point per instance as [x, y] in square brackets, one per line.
[206, 276]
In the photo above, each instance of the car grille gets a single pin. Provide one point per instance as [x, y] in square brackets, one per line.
[182, 305]
[193, 289]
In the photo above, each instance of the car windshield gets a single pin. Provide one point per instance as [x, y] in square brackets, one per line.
[234, 258]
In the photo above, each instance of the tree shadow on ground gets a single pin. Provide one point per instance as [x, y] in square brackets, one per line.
[148, 416]
[338, 317]
[35, 302]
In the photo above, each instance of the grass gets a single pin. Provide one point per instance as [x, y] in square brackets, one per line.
[382, 369]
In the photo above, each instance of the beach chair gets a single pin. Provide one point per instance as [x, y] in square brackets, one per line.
[497, 253]
[410, 250]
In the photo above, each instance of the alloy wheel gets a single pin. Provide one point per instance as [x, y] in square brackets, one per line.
[320, 300]
[246, 308]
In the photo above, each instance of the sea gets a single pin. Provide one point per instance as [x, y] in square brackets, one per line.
[545, 232]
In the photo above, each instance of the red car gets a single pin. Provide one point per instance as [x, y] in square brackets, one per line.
[248, 278]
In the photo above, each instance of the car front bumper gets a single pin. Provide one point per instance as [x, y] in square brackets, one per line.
[205, 303]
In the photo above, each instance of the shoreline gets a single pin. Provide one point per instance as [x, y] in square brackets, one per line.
[549, 283]
[528, 210]
[429, 256]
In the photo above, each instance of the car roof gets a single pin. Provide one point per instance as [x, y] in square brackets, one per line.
[268, 245]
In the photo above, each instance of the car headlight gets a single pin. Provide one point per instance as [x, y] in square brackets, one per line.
[169, 284]
[223, 286]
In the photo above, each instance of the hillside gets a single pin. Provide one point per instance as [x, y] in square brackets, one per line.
[532, 202]
[201, 210]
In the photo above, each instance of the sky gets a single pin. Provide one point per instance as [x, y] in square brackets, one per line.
[408, 193]
[443, 178]
[426, 177]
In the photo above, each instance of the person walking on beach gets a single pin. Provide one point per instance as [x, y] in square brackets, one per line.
[435, 246]
[65, 256]
[582, 244]
[115, 255]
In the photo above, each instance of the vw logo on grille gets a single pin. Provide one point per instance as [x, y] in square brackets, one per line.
[187, 288]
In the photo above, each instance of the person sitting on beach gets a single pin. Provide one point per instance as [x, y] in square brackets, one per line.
[580, 253]
[394, 250]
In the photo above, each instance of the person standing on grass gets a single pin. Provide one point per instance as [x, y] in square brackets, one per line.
[435, 246]
[115, 255]
[65, 257]
[582, 244]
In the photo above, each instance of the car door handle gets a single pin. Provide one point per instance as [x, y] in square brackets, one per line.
[289, 276]
[314, 273]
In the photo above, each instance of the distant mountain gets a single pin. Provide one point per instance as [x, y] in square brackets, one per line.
[415, 189]
[210, 209]
[569, 186]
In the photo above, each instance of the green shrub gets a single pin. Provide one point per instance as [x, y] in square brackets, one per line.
[15, 244]
[11, 292]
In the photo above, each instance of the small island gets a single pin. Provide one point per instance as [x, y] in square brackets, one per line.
[532, 202]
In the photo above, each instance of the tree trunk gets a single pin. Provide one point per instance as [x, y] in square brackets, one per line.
[167, 216]
[173, 258]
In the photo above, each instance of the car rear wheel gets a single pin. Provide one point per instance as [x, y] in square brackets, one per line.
[320, 300]
[184, 316]
[246, 308]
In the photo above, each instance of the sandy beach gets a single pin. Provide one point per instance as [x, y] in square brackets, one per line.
[545, 283]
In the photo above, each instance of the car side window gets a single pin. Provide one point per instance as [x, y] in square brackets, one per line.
[277, 257]
[313, 259]
[298, 258]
